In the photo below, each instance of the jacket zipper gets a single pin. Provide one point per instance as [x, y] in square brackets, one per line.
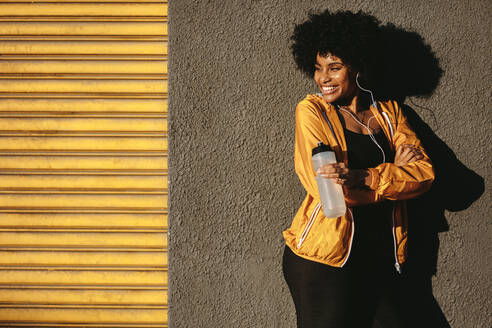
[309, 225]
[393, 228]
[397, 264]
[351, 237]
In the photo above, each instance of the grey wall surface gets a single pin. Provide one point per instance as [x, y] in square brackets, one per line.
[233, 189]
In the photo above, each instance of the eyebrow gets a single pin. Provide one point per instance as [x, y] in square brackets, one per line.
[330, 64]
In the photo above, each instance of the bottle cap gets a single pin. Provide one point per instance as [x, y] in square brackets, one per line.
[321, 148]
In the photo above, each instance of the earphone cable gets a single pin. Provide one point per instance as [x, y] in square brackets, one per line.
[366, 90]
[367, 128]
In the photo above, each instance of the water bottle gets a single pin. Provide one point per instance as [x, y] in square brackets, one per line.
[331, 193]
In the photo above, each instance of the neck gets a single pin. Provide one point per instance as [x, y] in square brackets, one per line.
[353, 103]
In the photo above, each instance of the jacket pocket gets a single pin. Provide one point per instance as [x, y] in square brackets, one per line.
[309, 224]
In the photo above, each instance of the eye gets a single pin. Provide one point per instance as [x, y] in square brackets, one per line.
[335, 68]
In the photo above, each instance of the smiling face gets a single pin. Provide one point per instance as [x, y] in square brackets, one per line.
[335, 79]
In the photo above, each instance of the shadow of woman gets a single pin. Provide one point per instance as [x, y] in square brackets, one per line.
[426, 220]
[410, 68]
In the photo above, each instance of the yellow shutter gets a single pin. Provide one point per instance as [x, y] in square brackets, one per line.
[83, 163]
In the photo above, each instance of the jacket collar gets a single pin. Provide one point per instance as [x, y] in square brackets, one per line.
[331, 113]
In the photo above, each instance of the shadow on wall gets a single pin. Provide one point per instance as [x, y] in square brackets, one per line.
[411, 69]
[426, 219]
[407, 66]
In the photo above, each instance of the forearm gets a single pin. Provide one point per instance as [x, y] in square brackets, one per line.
[355, 184]
[401, 182]
[358, 197]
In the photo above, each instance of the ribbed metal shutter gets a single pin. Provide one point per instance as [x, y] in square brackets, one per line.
[83, 163]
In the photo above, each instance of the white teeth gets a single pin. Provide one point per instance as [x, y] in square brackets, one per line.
[329, 88]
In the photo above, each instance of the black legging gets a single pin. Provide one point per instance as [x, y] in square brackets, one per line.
[348, 297]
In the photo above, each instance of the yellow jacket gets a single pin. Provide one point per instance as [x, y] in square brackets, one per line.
[329, 240]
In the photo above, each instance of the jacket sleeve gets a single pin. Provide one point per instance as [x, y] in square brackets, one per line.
[402, 182]
[308, 132]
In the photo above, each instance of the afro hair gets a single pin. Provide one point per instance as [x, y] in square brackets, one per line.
[353, 37]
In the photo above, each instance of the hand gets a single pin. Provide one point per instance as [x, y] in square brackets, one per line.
[406, 154]
[344, 176]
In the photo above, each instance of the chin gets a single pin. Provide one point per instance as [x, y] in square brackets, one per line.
[332, 98]
[339, 99]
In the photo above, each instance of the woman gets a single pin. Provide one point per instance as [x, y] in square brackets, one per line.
[344, 271]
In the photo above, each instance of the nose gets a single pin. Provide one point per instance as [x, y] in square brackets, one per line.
[324, 76]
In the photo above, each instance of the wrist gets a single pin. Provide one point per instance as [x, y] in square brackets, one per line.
[366, 179]
[372, 179]
[362, 179]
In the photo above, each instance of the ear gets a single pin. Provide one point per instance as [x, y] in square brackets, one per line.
[354, 75]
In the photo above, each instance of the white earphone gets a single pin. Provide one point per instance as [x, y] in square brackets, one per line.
[369, 121]
[366, 90]
[368, 130]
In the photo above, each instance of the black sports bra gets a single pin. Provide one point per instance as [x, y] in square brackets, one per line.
[372, 235]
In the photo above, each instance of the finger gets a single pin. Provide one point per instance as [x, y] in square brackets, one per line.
[328, 168]
[415, 157]
[331, 170]
[325, 166]
[408, 159]
[407, 146]
[398, 151]
[404, 156]
[413, 148]
[343, 170]
[412, 159]
[340, 181]
[332, 175]
[407, 154]
[416, 151]
[343, 176]
[325, 171]
[339, 165]
[336, 173]
[405, 151]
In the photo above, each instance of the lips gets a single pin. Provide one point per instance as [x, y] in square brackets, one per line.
[329, 89]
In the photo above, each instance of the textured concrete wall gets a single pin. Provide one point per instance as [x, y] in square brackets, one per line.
[233, 90]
